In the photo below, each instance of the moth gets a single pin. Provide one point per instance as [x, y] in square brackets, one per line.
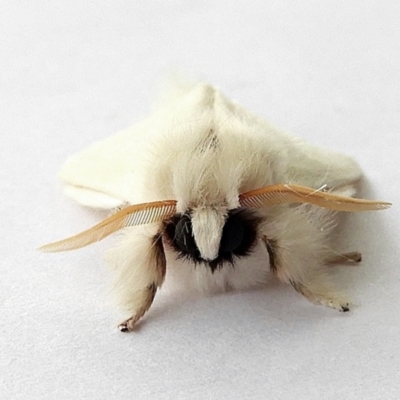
[209, 189]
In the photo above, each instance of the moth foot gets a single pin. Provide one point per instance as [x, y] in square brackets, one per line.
[129, 324]
[144, 301]
[328, 299]
[337, 304]
[353, 257]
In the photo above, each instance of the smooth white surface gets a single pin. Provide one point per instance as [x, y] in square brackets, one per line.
[73, 72]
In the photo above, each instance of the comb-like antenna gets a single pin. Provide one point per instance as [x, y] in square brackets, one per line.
[282, 194]
[139, 214]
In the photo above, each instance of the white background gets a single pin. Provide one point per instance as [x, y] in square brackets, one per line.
[72, 72]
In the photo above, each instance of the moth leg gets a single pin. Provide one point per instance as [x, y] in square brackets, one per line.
[140, 264]
[141, 300]
[322, 294]
[353, 257]
[145, 300]
[306, 278]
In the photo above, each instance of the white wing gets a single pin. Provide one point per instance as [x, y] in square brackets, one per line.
[127, 167]
[297, 161]
[117, 171]
[105, 174]
[315, 167]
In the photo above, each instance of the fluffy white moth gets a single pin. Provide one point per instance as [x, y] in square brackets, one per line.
[209, 189]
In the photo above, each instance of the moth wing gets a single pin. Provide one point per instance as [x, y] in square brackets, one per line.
[294, 161]
[112, 173]
[119, 170]
[106, 175]
[316, 167]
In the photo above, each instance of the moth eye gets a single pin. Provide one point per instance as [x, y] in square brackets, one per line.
[232, 234]
[184, 235]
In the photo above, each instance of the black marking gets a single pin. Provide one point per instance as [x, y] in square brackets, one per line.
[159, 256]
[209, 142]
[271, 246]
[153, 290]
[184, 238]
[239, 235]
[297, 286]
[123, 328]
[232, 234]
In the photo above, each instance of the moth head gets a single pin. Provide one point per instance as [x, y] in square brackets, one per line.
[213, 234]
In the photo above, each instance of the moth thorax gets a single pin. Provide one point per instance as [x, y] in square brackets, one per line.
[207, 225]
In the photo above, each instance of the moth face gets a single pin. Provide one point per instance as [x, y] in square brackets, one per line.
[212, 237]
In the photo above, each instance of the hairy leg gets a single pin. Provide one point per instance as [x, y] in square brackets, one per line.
[144, 300]
[307, 279]
[140, 264]
[297, 240]
[310, 282]
[353, 257]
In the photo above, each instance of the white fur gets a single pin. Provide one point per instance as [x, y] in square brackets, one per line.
[246, 273]
[133, 265]
[207, 230]
[204, 151]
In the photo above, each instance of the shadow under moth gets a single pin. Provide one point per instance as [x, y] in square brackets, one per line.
[205, 187]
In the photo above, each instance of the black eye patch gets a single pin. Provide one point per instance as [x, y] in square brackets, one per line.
[232, 234]
[184, 238]
[239, 236]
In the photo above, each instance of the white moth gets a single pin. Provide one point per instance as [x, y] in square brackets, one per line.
[208, 189]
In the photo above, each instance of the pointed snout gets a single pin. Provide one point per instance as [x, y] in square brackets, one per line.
[207, 225]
